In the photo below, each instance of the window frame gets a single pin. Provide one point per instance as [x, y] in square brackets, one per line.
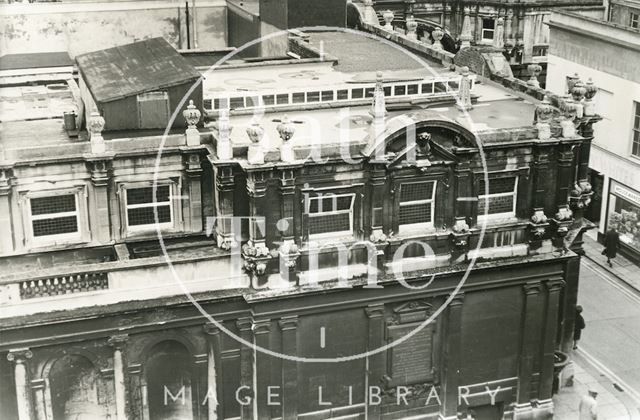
[504, 215]
[411, 227]
[487, 30]
[79, 236]
[174, 207]
[635, 130]
[634, 20]
[319, 194]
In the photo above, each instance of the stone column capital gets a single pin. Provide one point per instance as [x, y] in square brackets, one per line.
[457, 300]
[375, 311]
[244, 324]
[19, 356]
[118, 341]
[210, 329]
[555, 285]
[288, 323]
[262, 326]
[532, 288]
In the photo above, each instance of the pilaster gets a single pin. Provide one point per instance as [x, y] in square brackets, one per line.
[287, 200]
[20, 357]
[529, 344]
[215, 382]
[376, 362]
[118, 343]
[99, 217]
[262, 366]
[192, 207]
[246, 367]
[289, 327]
[224, 192]
[452, 355]
[553, 289]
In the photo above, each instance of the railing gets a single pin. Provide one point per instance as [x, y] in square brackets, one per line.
[74, 283]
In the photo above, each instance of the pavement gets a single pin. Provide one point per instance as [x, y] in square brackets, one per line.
[608, 356]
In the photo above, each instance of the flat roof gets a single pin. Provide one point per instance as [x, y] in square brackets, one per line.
[35, 60]
[35, 102]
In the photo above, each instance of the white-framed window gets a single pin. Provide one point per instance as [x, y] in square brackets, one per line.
[635, 132]
[55, 217]
[329, 214]
[140, 207]
[501, 200]
[417, 205]
[488, 27]
[634, 20]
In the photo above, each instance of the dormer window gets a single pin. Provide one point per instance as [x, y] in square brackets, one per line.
[501, 200]
[417, 204]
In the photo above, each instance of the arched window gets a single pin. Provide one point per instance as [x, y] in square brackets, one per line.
[169, 382]
[74, 389]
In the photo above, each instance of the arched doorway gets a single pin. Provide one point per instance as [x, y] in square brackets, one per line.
[170, 384]
[73, 384]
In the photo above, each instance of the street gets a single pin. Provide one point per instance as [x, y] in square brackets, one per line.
[611, 340]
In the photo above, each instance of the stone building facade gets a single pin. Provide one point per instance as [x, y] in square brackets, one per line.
[368, 204]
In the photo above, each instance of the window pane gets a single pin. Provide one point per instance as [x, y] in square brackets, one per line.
[427, 87]
[145, 195]
[313, 96]
[297, 98]
[502, 204]
[440, 87]
[282, 99]
[55, 226]
[416, 191]
[399, 90]
[343, 94]
[268, 99]
[327, 95]
[357, 93]
[387, 91]
[145, 215]
[412, 90]
[498, 185]
[326, 224]
[415, 213]
[53, 204]
[237, 102]
[368, 92]
[453, 85]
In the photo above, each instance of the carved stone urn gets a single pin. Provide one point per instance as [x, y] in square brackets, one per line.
[388, 16]
[437, 34]
[286, 129]
[255, 152]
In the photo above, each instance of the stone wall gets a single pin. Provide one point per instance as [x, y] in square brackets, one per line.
[84, 27]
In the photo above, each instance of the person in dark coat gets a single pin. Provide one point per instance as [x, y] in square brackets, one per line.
[578, 326]
[611, 242]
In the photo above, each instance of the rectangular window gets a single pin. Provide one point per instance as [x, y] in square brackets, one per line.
[368, 92]
[417, 201]
[282, 99]
[219, 103]
[387, 91]
[268, 100]
[327, 95]
[412, 90]
[343, 94]
[634, 20]
[635, 150]
[427, 88]
[488, 26]
[399, 90]
[330, 214]
[297, 97]
[501, 200]
[313, 96]
[237, 102]
[357, 93]
[440, 87]
[153, 109]
[141, 207]
[54, 215]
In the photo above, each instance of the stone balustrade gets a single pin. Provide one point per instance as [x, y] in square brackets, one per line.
[73, 283]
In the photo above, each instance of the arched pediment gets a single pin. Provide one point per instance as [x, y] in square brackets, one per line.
[435, 138]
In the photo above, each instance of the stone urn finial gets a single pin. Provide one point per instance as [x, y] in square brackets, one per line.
[590, 91]
[95, 125]
[388, 16]
[543, 116]
[255, 152]
[534, 71]
[191, 115]
[437, 34]
[286, 129]
[412, 26]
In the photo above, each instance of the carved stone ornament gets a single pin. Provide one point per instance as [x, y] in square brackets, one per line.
[388, 16]
[437, 34]
[96, 124]
[590, 92]
[191, 115]
[534, 71]
[412, 26]
[286, 129]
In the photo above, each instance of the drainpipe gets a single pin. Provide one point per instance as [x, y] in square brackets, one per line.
[186, 11]
[195, 24]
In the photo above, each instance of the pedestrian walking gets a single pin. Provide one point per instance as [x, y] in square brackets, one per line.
[589, 406]
[611, 242]
[578, 326]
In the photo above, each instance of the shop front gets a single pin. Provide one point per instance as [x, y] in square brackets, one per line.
[623, 215]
